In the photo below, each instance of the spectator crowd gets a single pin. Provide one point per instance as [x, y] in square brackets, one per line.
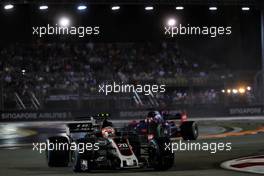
[71, 67]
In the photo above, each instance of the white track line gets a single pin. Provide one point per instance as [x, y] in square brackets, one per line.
[15, 145]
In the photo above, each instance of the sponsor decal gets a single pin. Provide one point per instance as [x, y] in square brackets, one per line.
[6, 116]
[246, 111]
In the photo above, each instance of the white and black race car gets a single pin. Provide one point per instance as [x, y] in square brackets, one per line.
[96, 144]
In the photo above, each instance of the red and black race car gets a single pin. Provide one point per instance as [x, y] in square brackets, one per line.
[161, 123]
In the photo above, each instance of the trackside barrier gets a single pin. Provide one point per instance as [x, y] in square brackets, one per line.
[129, 113]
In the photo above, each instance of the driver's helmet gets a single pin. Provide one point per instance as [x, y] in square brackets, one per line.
[155, 116]
[108, 132]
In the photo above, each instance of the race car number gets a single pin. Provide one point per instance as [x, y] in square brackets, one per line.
[123, 145]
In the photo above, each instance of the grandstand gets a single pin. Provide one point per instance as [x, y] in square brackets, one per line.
[44, 75]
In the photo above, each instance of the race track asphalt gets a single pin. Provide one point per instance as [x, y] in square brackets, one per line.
[18, 158]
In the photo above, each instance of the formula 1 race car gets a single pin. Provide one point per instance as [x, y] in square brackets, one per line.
[96, 144]
[161, 123]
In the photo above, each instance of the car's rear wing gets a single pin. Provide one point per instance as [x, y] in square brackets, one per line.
[80, 127]
[86, 124]
[178, 116]
[100, 116]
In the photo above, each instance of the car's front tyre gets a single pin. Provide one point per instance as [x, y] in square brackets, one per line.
[81, 159]
[161, 158]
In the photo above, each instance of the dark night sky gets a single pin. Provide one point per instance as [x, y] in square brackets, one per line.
[241, 50]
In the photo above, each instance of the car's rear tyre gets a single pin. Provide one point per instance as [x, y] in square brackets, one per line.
[161, 157]
[189, 130]
[57, 157]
